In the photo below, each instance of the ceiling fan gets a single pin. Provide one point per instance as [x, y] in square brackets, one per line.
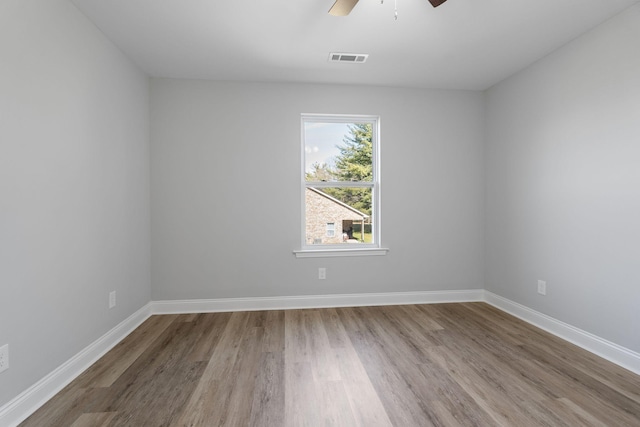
[343, 7]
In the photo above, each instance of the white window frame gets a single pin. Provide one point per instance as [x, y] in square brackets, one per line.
[360, 249]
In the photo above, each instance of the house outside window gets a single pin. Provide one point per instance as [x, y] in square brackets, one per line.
[340, 183]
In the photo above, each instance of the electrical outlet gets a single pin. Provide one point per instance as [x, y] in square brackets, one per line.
[4, 357]
[542, 287]
[112, 299]
[322, 273]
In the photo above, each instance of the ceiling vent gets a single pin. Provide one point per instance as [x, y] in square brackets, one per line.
[354, 58]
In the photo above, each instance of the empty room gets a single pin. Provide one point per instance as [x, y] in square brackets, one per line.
[319, 213]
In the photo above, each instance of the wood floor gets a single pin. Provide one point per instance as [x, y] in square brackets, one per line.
[415, 365]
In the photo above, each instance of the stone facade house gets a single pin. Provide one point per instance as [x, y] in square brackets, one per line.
[328, 220]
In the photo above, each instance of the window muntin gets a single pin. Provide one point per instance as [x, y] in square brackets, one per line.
[340, 181]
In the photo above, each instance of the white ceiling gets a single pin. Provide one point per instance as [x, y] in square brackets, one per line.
[463, 44]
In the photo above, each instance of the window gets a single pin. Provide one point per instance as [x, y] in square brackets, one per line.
[340, 185]
[331, 229]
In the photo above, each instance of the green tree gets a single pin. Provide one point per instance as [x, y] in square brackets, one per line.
[354, 163]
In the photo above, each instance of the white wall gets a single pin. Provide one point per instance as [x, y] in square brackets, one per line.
[226, 209]
[563, 183]
[74, 187]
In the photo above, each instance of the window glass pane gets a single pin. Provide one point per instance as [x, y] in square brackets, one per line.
[338, 151]
[347, 208]
[331, 229]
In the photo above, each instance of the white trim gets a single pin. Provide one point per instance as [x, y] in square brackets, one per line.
[374, 120]
[27, 402]
[327, 253]
[613, 352]
[314, 301]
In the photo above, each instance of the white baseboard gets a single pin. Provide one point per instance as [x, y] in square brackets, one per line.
[615, 353]
[27, 402]
[313, 301]
[18, 409]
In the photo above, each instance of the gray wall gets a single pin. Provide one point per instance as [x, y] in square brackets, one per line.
[563, 183]
[74, 187]
[225, 199]
[562, 187]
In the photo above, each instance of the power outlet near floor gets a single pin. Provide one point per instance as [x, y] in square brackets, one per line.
[4, 357]
[112, 299]
[542, 287]
[322, 273]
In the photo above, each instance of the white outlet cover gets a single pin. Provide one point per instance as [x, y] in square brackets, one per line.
[112, 299]
[542, 287]
[4, 357]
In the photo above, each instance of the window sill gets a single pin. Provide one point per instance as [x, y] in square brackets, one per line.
[325, 253]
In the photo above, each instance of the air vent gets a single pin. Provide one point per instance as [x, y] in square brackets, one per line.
[354, 58]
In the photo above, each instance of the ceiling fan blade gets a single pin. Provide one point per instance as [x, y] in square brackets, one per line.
[342, 7]
[436, 3]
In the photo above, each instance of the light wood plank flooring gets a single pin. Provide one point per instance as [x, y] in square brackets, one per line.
[414, 365]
